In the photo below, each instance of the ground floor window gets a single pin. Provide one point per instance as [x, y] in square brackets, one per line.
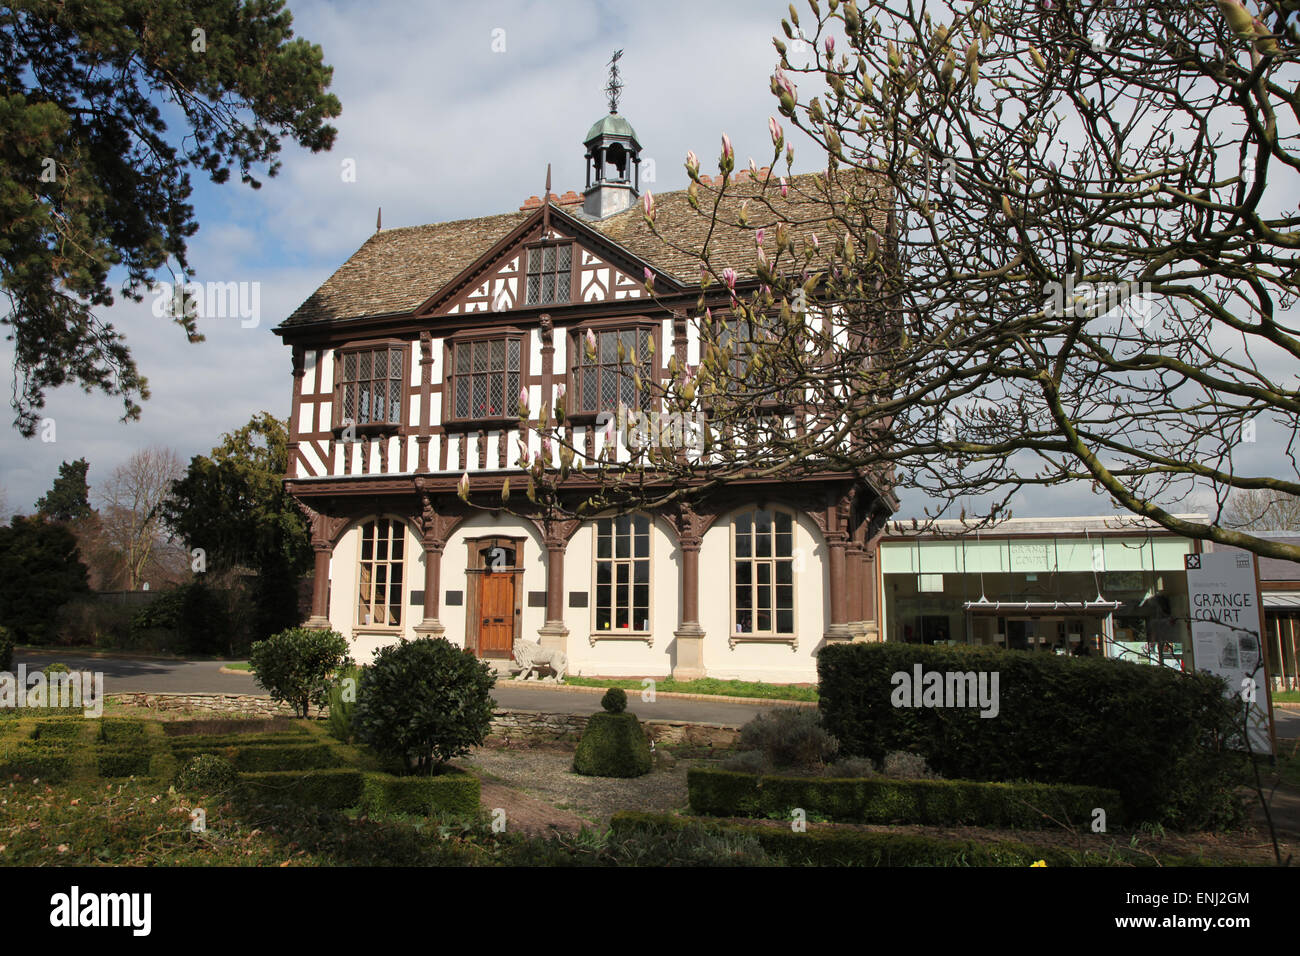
[379, 589]
[762, 553]
[622, 574]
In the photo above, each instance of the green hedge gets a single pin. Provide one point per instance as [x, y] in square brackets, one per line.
[883, 800]
[124, 762]
[217, 741]
[826, 846]
[454, 792]
[66, 730]
[124, 730]
[269, 757]
[1152, 734]
[329, 789]
[32, 759]
[335, 789]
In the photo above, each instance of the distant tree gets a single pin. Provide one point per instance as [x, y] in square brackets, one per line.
[69, 497]
[106, 108]
[231, 504]
[130, 516]
[40, 571]
[4, 506]
[1259, 509]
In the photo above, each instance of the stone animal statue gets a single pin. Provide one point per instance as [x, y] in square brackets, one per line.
[530, 655]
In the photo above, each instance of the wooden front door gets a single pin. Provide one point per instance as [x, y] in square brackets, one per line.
[496, 631]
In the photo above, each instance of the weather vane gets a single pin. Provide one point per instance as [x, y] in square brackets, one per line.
[615, 84]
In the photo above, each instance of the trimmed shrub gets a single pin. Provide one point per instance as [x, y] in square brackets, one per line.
[851, 767]
[1155, 735]
[58, 730]
[124, 762]
[901, 765]
[115, 730]
[298, 666]
[725, 793]
[750, 761]
[343, 704]
[207, 773]
[614, 701]
[331, 789]
[452, 792]
[254, 759]
[690, 845]
[37, 760]
[845, 847]
[424, 702]
[6, 649]
[790, 738]
[613, 745]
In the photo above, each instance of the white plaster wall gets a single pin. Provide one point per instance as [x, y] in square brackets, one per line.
[753, 661]
[456, 559]
[343, 591]
[623, 657]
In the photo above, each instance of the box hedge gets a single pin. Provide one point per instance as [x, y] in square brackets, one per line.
[1153, 734]
[613, 745]
[883, 800]
[269, 757]
[123, 761]
[453, 792]
[35, 759]
[842, 846]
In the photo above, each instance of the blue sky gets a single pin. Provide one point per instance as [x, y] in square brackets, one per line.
[440, 126]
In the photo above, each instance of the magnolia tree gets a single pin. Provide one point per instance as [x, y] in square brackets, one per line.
[1054, 243]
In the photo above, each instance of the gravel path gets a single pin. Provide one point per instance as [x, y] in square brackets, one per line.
[547, 776]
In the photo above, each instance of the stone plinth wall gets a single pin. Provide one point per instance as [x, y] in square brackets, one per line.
[509, 727]
[512, 727]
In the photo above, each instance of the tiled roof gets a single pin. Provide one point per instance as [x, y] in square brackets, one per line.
[396, 270]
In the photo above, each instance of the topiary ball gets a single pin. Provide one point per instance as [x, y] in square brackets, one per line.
[613, 745]
[614, 701]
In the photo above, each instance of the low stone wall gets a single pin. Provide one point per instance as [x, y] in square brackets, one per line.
[519, 727]
[238, 704]
[509, 727]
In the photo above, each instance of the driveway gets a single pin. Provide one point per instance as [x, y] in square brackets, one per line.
[168, 676]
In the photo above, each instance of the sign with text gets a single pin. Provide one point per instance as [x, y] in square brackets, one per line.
[1227, 626]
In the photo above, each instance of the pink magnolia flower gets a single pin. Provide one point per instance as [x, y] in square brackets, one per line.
[785, 188]
[727, 151]
[816, 244]
[774, 128]
[760, 235]
[784, 83]
[649, 276]
[463, 487]
[523, 398]
[692, 162]
[830, 46]
[591, 341]
[559, 393]
[729, 277]
[648, 204]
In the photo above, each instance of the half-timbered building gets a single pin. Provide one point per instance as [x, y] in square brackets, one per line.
[408, 364]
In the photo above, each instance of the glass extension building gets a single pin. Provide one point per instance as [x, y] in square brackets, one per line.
[1098, 585]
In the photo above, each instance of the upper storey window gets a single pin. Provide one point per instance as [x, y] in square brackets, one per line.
[549, 268]
[603, 381]
[485, 381]
[370, 386]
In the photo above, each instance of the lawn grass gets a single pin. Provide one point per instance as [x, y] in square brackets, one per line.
[238, 666]
[706, 685]
[1286, 696]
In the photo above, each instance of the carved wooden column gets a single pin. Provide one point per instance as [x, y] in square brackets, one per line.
[320, 586]
[556, 533]
[855, 570]
[435, 526]
[324, 528]
[689, 663]
[837, 539]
